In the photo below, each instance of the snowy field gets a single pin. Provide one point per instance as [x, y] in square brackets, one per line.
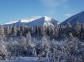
[26, 59]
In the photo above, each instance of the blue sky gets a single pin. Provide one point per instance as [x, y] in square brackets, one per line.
[21, 9]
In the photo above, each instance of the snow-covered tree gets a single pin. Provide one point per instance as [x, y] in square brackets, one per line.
[2, 31]
[3, 49]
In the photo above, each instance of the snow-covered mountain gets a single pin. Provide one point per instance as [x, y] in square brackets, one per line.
[76, 18]
[41, 21]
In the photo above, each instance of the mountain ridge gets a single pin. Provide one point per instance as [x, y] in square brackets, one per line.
[41, 21]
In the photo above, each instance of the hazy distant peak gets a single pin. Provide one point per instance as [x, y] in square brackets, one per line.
[76, 18]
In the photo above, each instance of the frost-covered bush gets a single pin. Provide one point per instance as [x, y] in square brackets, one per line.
[69, 50]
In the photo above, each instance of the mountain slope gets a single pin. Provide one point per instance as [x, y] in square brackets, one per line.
[42, 21]
[76, 18]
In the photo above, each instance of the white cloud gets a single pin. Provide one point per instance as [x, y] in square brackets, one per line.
[68, 15]
[52, 5]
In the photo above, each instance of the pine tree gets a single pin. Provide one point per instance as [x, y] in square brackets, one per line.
[77, 29]
[68, 29]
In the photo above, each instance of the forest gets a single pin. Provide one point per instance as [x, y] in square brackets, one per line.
[60, 43]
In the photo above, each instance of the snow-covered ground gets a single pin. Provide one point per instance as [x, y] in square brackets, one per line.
[26, 59]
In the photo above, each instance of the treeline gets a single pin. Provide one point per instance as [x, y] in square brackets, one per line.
[54, 32]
